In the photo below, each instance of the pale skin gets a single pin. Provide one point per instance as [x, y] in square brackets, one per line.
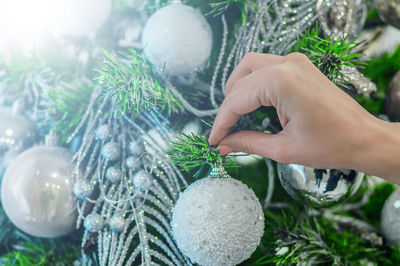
[323, 127]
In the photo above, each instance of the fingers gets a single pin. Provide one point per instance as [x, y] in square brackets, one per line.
[273, 146]
[249, 94]
[249, 64]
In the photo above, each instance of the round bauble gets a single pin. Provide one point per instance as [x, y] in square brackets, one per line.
[117, 223]
[17, 132]
[136, 148]
[103, 132]
[94, 223]
[83, 189]
[142, 180]
[111, 151]
[114, 174]
[390, 219]
[177, 39]
[133, 162]
[392, 101]
[316, 187]
[37, 192]
[342, 18]
[77, 18]
[389, 11]
[217, 221]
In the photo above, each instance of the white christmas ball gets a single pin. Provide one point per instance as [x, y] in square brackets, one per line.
[390, 219]
[218, 221]
[177, 38]
[37, 192]
[78, 18]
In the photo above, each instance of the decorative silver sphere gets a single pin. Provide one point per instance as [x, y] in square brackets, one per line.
[83, 189]
[142, 180]
[103, 133]
[136, 148]
[111, 151]
[16, 131]
[114, 174]
[318, 188]
[117, 223]
[37, 192]
[94, 223]
[389, 11]
[217, 221]
[392, 101]
[390, 219]
[133, 162]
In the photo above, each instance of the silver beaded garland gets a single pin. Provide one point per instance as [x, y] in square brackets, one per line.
[111, 151]
[142, 180]
[94, 222]
[114, 174]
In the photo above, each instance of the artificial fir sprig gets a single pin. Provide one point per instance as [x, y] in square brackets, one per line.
[130, 79]
[330, 56]
[193, 152]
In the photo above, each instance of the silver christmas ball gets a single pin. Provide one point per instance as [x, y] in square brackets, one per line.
[83, 189]
[318, 188]
[142, 180]
[177, 39]
[133, 162]
[342, 18]
[136, 148]
[389, 11]
[390, 219]
[103, 133]
[111, 151]
[16, 131]
[114, 174]
[117, 223]
[94, 222]
[217, 221]
[392, 101]
[37, 192]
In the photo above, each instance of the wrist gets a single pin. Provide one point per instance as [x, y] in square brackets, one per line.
[378, 151]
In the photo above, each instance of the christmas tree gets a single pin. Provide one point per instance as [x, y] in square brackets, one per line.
[105, 111]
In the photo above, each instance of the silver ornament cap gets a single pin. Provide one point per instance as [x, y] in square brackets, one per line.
[37, 192]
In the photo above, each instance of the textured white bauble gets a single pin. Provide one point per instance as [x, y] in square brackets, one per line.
[37, 192]
[390, 219]
[78, 18]
[218, 221]
[177, 38]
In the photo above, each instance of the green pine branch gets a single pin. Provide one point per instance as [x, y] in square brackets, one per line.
[129, 78]
[328, 55]
[191, 152]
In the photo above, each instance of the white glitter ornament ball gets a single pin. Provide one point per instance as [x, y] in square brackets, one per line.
[390, 219]
[177, 39]
[218, 221]
[37, 192]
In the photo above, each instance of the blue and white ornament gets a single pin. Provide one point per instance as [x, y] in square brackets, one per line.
[136, 148]
[114, 174]
[94, 223]
[177, 39]
[142, 180]
[111, 151]
[103, 132]
[390, 219]
[83, 189]
[133, 162]
[117, 223]
[218, 221]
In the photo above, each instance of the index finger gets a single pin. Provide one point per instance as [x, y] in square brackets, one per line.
[242, 100]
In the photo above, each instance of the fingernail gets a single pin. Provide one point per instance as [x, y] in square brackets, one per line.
[224, 150]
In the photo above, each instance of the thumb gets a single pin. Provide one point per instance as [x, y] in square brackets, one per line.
[273, 146]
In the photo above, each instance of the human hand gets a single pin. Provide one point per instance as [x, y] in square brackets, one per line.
[323, 127]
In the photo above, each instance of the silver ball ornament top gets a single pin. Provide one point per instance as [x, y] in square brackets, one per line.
[389, 11]
[103, 132]
[94, 222]
[111, 151]
[117, 223]
[177, 39]
[217, 221]
[37, 192]
[114, 174]
[318, 188]
[142, 180]
[83, 189]
[390, 219]
[136, 148]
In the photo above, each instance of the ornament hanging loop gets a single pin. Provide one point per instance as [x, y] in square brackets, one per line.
[51, 139]
[218, 171]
